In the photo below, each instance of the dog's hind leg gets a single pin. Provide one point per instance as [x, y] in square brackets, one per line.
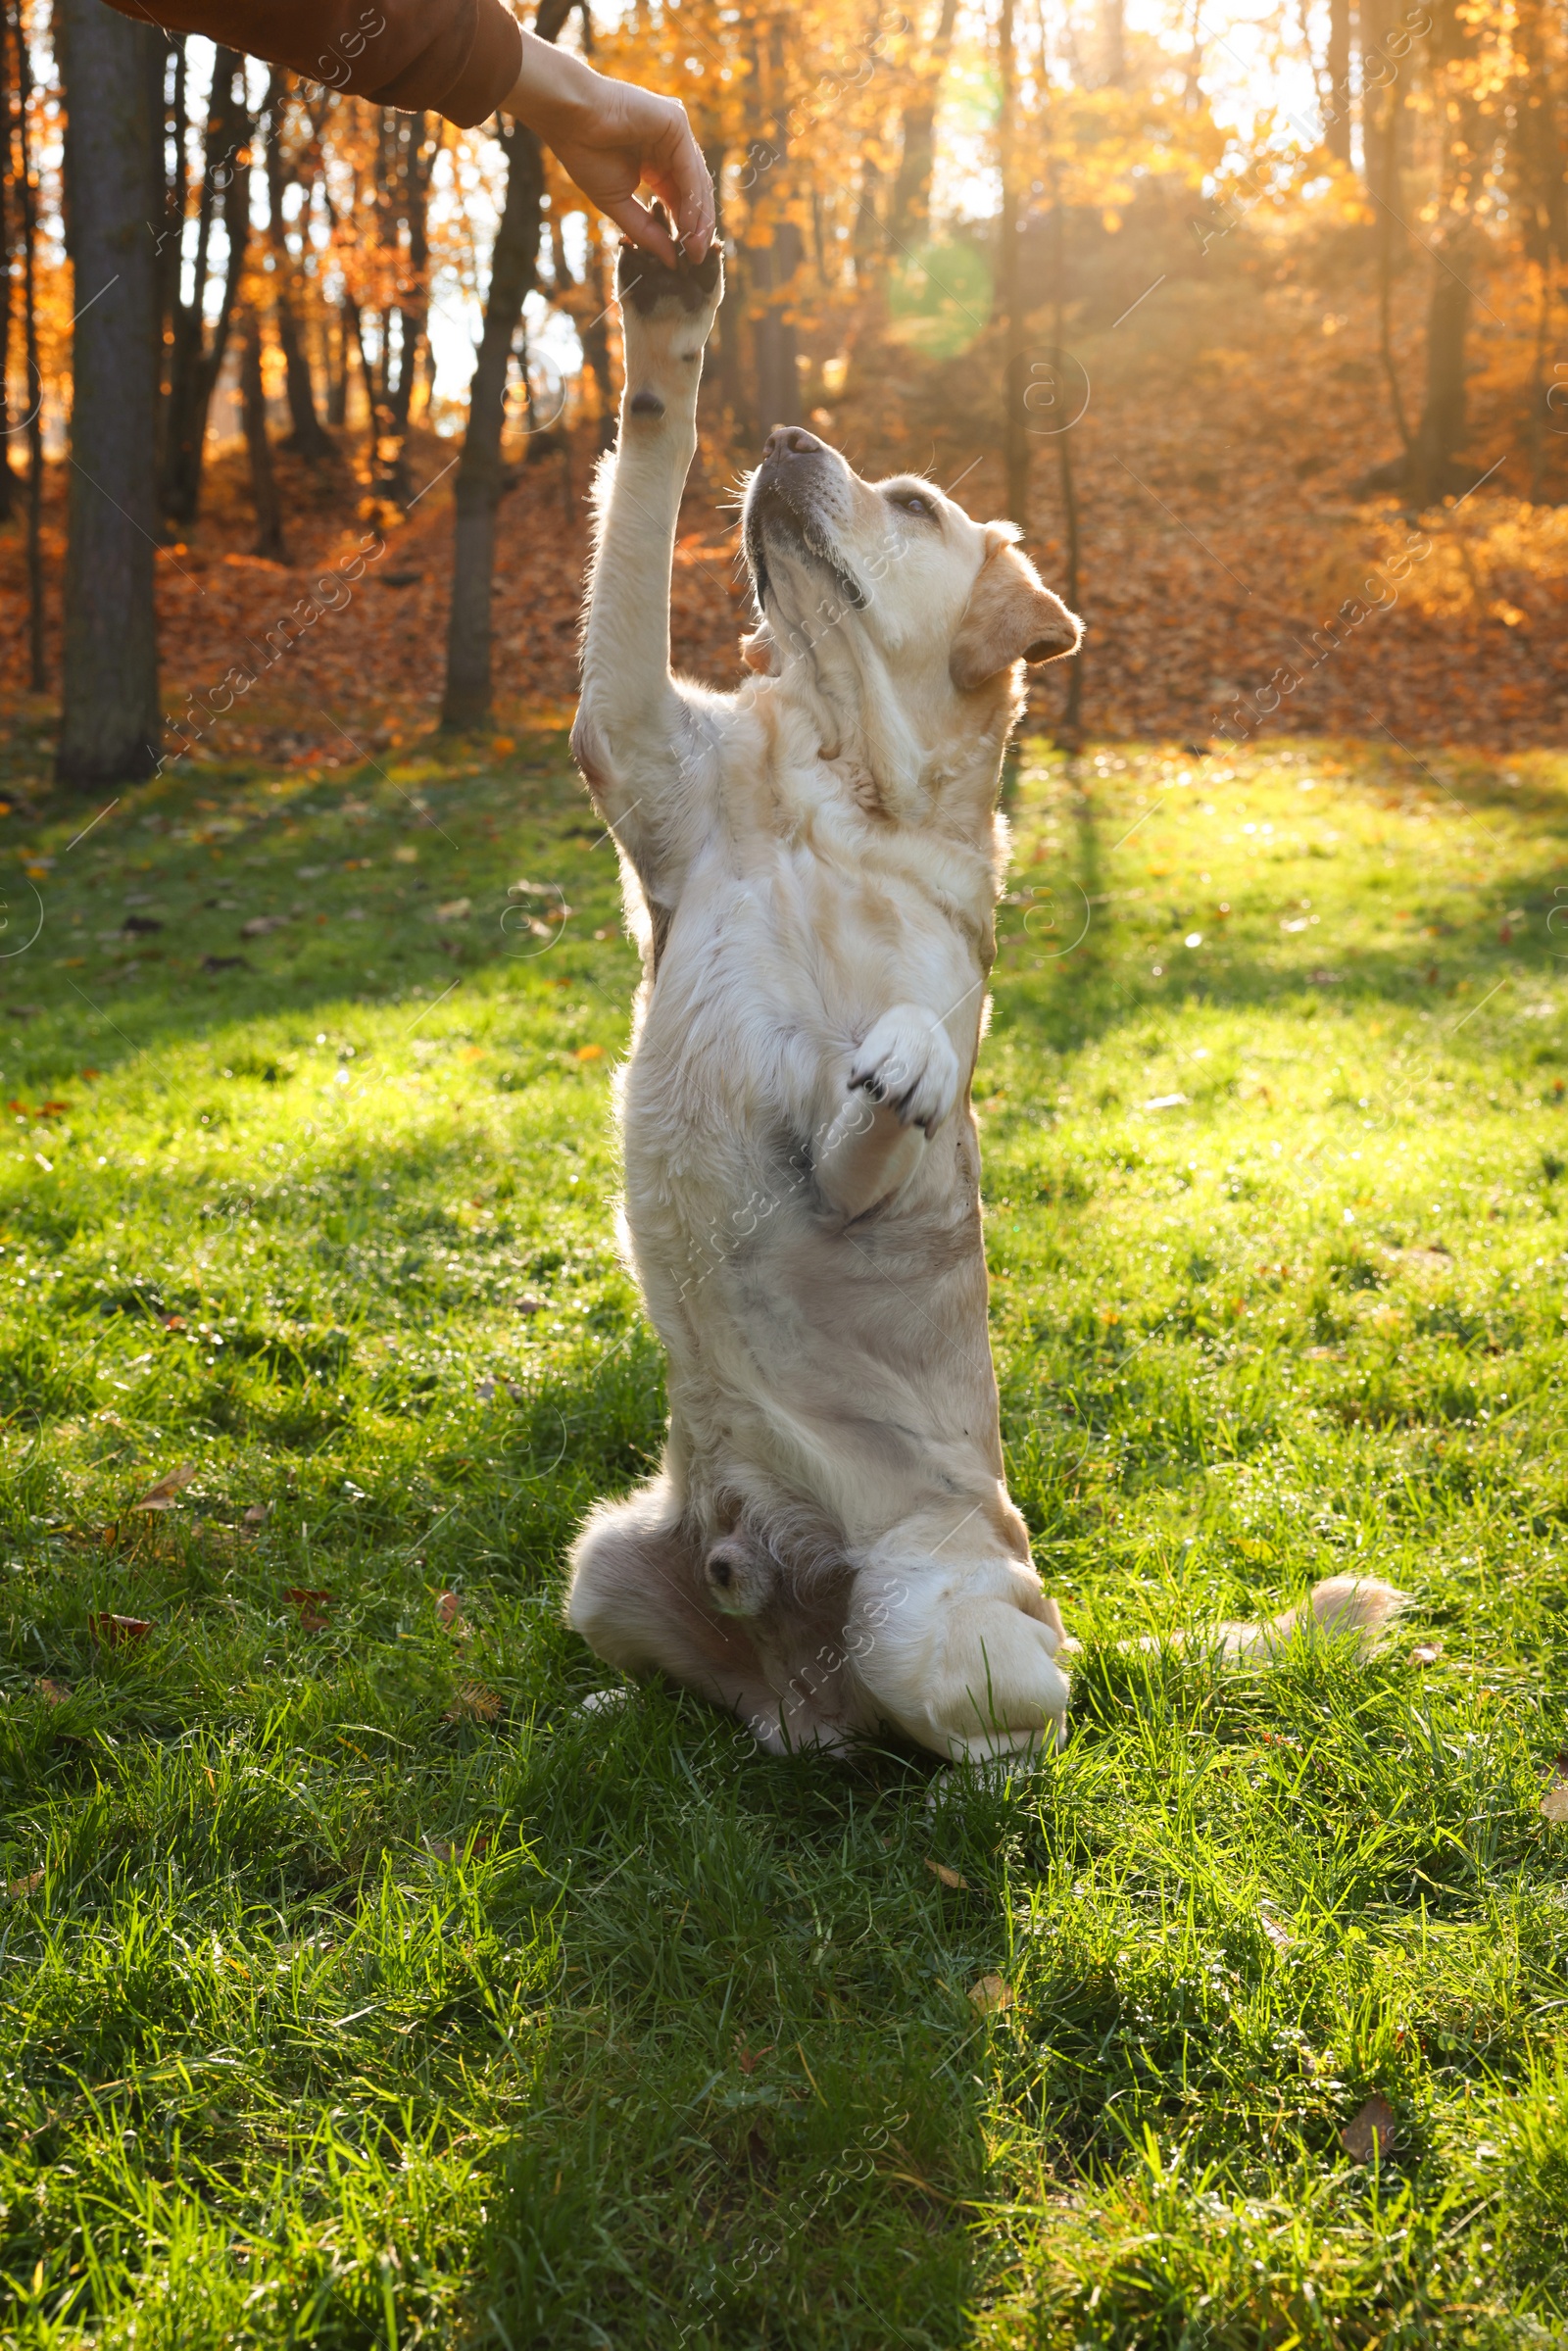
[638, 1597]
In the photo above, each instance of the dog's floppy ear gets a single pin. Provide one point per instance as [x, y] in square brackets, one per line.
[1010, 616]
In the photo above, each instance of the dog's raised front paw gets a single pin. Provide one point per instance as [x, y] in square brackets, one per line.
[907, 1062]
[666, 315]
[645, 281]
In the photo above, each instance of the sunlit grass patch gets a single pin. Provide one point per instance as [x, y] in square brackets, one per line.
[360, 1983]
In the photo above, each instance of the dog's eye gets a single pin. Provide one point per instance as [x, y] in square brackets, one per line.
[912, 503]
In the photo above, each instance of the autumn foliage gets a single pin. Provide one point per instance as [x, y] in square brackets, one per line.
[1265, 347]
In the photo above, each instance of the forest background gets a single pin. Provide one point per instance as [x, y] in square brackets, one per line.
[1256, 322]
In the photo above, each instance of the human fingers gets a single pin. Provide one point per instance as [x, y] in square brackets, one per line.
[636, 222]
[687, 185]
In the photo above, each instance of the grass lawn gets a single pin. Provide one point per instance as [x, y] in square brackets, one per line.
[361, 1987]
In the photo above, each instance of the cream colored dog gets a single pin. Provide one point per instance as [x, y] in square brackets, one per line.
[810, 866]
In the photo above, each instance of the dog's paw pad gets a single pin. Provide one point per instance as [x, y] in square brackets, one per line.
[645, 281]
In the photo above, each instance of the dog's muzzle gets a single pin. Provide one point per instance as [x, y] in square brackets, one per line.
[793, 491]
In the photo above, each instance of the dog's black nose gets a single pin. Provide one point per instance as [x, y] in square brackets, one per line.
[789, 440]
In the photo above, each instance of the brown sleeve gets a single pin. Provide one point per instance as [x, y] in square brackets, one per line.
[458, 56]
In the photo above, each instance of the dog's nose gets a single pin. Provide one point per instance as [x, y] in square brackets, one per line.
[789, 440]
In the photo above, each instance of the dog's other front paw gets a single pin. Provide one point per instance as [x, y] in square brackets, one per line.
[907, 1062]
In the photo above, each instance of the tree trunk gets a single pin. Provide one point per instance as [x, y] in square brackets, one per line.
[264, 480]
[587, 301]
[8, 480]
[414, 185]
[778, 379]
[728, 368]
[195, 362]
[1539, 391]
[336, 364]
[1441, 429]
[1071, 726]
[308, 436]
[1111, 31]
[868, 237]
[1015, 437]
[512, 268]
[1380, 97]
[170, 236]
[37, 675]
[600, 277]
[1389, 209]
[111, 725]
[1336, 129]
[910, 206]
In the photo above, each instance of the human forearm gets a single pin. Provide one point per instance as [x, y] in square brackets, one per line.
[614, 138]
[456, 57]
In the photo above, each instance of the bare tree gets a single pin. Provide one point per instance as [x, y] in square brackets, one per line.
[513, 269]
[196, 353]
[308, 436]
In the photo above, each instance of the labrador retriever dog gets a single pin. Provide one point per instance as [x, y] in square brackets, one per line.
[810, 866]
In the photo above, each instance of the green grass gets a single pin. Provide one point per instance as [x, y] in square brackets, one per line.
[359, 1989]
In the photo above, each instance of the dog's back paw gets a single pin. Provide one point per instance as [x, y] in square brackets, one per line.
[972, 1675]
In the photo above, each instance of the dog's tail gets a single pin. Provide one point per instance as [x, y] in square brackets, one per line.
[1355, 1608]
[1348, 1608]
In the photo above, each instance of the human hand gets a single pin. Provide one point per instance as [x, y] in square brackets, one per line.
[612, 138]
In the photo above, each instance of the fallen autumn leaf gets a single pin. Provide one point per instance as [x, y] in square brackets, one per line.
[441, 1848]
[1369, 2133]
[992, 1994]
[165, 1495]
[949, 1876]
[472, 1703]
[310, 1601]
[118, 1632]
